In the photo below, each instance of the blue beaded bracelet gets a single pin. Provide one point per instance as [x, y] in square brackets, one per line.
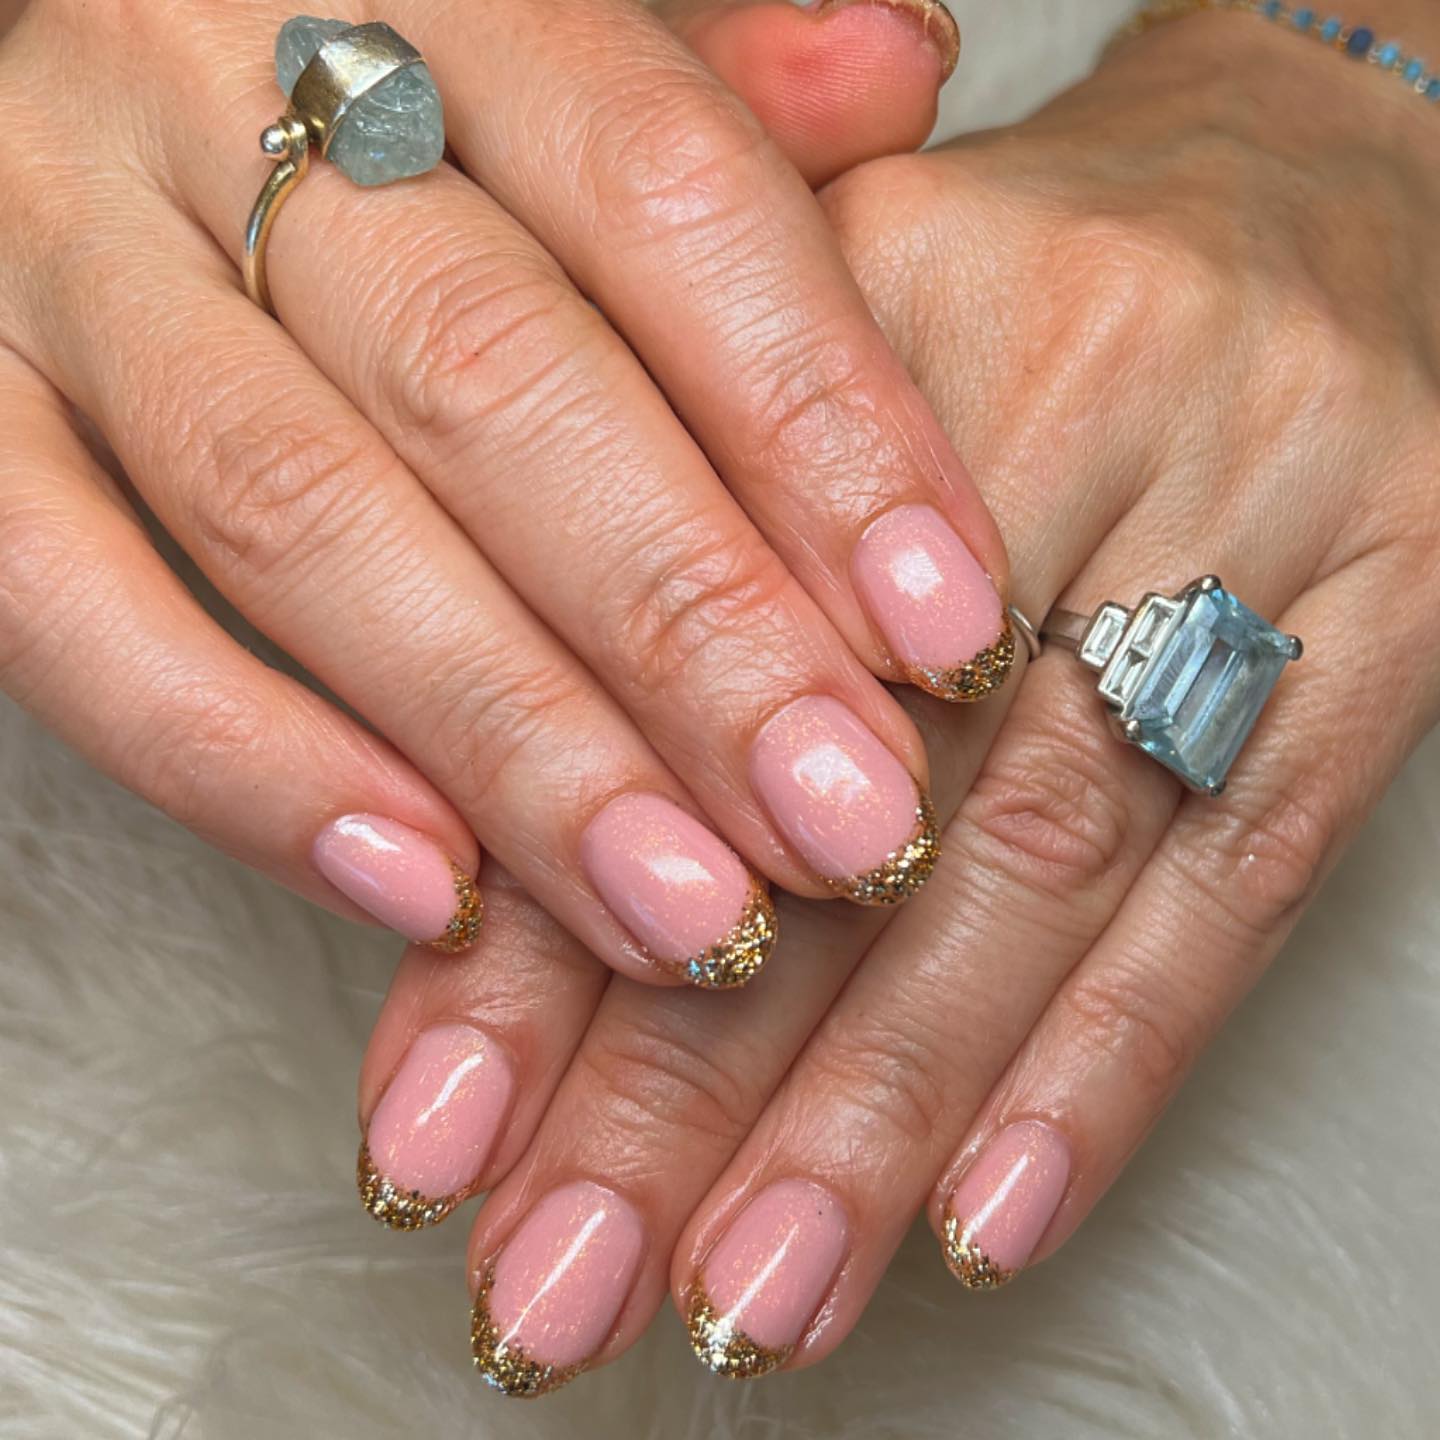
[1356, 41]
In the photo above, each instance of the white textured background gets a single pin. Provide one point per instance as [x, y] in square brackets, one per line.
[181, 1253]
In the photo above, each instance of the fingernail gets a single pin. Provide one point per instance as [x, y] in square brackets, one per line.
[845, 802]
[551, 1298]
[937, 609]
[936, 24]
[403, 878]
[679, 890]
[435, 1126]
[1004, 1202]
[760, 1286]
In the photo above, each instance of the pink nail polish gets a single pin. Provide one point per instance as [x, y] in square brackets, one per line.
[844, 801]
[936, 607]
[434, 1127]
[679, 890]
[403, 878]
[1004, 1203]
[762, 1283]
[553, 1294]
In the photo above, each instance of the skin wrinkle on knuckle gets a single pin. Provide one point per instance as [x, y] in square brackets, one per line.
[1048, 809]
[487, 710]
[648, 1082]
[1125, 1010]
[674, 163]
[1259, 859]
[477, 345]
[705, 603]
[887, 1065]
[274, 487]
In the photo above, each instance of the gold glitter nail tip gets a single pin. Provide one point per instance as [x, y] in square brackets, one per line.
[903, 871]
[976, 678]
[393, 1207]
[464, 927]
[968, 1263]
[507, 1368]
[723, 1348]
[739, 957]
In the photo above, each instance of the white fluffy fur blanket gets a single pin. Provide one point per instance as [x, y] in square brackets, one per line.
[181, 1254]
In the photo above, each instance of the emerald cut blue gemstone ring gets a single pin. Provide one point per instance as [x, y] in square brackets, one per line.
[1185, 676]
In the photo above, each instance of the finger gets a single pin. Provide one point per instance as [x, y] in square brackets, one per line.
[509, 396]
[1053, 833]
[1200, 926]
[656, 1098]
[706, 250]
[834, 84]
[304, 517]
[465, 1056]
[100, 641]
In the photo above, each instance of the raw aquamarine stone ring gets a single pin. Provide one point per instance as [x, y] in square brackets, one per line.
[360, 94]
[1185, 676]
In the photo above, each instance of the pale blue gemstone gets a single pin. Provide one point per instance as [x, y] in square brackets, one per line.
[394, 130]
[1204, 688]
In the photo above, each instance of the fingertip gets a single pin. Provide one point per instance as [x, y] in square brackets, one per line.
[836, 83]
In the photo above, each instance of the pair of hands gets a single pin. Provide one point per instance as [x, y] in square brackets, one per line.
[1153, 312]
[1123, 307]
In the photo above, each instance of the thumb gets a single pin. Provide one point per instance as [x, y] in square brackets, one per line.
[835, 82]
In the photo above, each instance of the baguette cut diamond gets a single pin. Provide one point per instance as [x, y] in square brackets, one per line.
[1190, 677]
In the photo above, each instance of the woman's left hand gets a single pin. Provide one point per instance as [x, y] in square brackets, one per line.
[1184, 322]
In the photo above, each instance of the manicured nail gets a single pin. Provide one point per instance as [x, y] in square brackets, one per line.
[934, 604]
[403, 878]
[845, 802]
[435, 1126]
[551, 1298]
[679, 890]
[996, 1215]
[936, 24]
[760, 1286]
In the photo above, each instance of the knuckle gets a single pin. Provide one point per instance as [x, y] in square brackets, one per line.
[282, 486]
[645, 1078]
[496, 714]
[675, 158]
[694, 600]
[887, 1073]
[1120, 291]
[1124, 1011]
[476, 344]
[1259, 859]
[1049, 810]
[814, 395]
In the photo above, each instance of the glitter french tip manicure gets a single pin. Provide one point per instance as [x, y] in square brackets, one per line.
[435, 1127]
[938, 611]
[759, 1287]
[844, 801]
[690, 901]
[402, 878]
[550, 1299]
[1004, 1203]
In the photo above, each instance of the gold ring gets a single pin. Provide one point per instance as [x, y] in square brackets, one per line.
[362, 96]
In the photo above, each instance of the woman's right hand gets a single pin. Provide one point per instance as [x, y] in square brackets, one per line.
[459, 494]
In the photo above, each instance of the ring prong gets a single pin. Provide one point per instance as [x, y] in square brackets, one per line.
[1297, 646]
[1130, 729]
[1206, 583]
[1213, 790]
